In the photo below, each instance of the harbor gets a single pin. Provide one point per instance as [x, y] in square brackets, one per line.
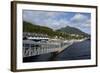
[39, 47]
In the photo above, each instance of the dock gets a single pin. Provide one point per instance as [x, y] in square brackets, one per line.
[37, 44]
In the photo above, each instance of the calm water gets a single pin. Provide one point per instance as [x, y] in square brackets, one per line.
[77, 51]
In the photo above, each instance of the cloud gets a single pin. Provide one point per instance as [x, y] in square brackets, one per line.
[53, 20]
[55, 24]
[81, 20]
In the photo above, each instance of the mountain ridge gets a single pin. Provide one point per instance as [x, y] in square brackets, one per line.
[64, 32]
[72, 30]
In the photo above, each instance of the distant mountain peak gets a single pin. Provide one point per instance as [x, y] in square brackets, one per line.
[72, 30]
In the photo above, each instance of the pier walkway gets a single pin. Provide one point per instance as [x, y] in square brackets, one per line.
[31, 48]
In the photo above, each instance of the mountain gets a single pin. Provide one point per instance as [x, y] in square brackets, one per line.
[72, 30]
[60, 33]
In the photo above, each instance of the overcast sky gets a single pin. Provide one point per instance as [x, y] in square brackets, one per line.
[57, 20]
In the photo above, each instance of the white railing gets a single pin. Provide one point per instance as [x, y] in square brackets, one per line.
[39, 48]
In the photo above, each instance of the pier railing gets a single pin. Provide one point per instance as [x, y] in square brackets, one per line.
[31, 48]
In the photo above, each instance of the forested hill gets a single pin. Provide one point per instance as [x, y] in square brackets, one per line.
[72, 30]
[29, 27]
[63, 32]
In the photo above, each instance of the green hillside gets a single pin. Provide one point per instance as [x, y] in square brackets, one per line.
[29, 27]
[61, 33]
[72, 30]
